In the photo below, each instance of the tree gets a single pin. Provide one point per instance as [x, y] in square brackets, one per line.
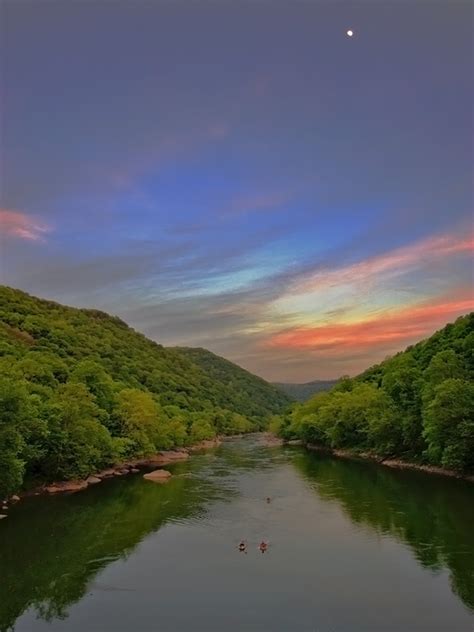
[403, 381]
[97, 380]
[13, 412]
[449, 425]
[138, 414]
[78, 444]
[201, 430]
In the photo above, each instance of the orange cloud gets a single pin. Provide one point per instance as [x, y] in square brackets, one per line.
[393, 328]
[21, 225]
[395, 262]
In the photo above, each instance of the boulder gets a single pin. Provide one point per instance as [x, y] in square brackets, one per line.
[206, 444]
[2, 516]
[15, 499]
[106, 473]
[158, 476]
[164, 458]
[134, 470]
[93, 480]
[295, 442]
[66, 486]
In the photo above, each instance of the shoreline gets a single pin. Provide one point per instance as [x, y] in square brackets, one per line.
[387, 461]
[169, 457]
[132, 466]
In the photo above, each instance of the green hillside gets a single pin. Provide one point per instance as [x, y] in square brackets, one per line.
[250, 394]
[80, 389]
[303, 392]
[417, 405]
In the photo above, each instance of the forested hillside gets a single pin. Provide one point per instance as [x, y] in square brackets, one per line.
[80, 390]
[251, 395]
[303, 392]
[417, 405]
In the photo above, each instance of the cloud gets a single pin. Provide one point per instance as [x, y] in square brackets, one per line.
[394, 263]
[22, 226]
[164, 150]
[393, 328]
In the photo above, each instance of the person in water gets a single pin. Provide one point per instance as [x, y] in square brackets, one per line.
[263, 546]
[268, 499]
[242, 546]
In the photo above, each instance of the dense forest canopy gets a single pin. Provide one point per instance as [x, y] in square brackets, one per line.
[417, 405]
[303, 392]
[80, 390]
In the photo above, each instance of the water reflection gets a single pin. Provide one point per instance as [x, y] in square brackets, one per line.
[432, 514]
[51, 547]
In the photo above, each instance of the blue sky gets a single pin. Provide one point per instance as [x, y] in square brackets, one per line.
[243, 176]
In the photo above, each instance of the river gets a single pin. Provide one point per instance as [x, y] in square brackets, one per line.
[352, 546]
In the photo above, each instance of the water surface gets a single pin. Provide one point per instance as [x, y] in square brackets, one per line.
[353, 546]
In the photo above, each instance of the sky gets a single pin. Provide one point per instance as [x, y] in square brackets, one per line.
[242, 175]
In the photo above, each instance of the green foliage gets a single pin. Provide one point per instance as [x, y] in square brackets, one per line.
[201, 430]
[303, 392]
[449, 424]
[13, 413]
[77, 443]
[418, 405]
[79, 390]
[240, 392]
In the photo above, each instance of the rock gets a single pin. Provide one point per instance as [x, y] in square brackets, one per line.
[66, 486]
[106, 473]
[295, 442]
[270, 440]
[134, 470]
[205, 445]
[172, 455]
[2, 516]
[164, 458]
[124, 471]
[14, 499]
[158, 476]
[93, 480]
[4, 508]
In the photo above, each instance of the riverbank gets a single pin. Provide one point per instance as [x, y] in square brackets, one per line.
[388, 462]
[132, 466]
[98, 556]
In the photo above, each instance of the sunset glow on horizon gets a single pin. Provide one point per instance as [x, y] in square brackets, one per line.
[296, 203]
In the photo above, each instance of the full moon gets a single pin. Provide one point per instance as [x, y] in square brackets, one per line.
[350, 33]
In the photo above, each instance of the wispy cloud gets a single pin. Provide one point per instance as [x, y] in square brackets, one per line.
[390, 264]
[22, 226]
[162, 150]
[395, 326]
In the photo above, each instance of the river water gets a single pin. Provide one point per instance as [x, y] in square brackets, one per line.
[352, 546]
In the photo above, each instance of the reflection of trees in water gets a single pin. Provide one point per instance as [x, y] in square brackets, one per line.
[52, 547]
[435, 516]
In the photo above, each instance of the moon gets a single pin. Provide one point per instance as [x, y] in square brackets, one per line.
[349, 33]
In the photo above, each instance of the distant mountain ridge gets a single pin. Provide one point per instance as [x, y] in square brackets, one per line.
[303, 392]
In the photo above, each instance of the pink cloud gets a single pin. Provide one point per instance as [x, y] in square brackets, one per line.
[22, 226]
[395, 328]
[393, 263]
